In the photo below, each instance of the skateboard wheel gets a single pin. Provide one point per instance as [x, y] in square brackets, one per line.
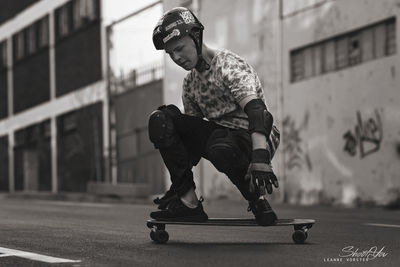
[299, 236]
[160, 236]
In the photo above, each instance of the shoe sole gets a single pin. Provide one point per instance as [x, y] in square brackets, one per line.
[266, 219]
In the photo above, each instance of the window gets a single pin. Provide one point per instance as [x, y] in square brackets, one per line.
[297, 63]
[308, 63]
[69, 122]
[75, 15]
[3, 54]
[20, 45]
[391, 37]
[379, 33]
[367, 44]
[43, 32]
[329, 56]
[31, 40]
[84, 11]
[341, 46]
[31, 36]
[353, 48]
[63, 21]
[317, 60]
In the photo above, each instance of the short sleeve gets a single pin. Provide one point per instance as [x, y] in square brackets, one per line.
[238, 76]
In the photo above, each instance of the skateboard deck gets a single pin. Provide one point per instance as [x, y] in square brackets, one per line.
[301, 226]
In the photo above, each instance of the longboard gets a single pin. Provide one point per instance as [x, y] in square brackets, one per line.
[159, 235]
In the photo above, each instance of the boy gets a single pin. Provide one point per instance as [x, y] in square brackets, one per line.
[237, 136]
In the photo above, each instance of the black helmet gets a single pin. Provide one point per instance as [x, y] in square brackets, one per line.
[177, 23]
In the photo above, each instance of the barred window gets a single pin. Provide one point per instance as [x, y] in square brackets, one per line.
[372, 42]
[367, 44]
[342, 53]
[354, 49]
[329, 56]
[317, 60]
[380, 32]
[391, 37]
[308, 63]
[296, 65]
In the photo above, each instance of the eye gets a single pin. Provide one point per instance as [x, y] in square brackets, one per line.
[178, 48]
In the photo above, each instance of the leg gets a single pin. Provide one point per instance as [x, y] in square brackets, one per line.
[230, 152]
[179, 139]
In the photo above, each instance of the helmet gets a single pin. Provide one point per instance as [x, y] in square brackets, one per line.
[177, 23]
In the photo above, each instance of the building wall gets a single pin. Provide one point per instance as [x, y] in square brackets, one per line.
[340, 139]
[250, 29]
[341, 128]
[10, 8]
[79, 148]
[32, 158]
[35, 94]
[77, 51]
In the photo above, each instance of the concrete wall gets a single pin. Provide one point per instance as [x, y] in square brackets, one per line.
[250, 29]
[315, 114]
[320, 111]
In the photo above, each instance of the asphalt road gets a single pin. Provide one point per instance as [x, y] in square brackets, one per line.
[93, 234]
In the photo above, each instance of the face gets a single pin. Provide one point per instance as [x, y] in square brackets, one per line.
[183, 52]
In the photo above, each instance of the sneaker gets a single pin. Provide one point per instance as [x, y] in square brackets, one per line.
[177, 211]
[263, 212]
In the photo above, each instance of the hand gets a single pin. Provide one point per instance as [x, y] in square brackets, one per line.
[260, 172]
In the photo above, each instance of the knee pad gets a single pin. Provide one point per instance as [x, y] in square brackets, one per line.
[161, 129]
[225, 154]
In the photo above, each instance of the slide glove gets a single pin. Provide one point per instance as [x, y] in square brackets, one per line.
[260, 172]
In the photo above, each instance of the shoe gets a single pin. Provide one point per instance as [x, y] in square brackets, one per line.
[263, 212]
[177, 211]
[164, 201]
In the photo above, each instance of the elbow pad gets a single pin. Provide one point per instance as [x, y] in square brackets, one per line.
[260, 120]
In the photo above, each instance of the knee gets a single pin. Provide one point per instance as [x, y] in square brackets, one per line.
[225, 154]
[161, 127]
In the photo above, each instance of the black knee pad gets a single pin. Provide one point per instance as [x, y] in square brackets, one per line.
[161, 128]
[225, 154]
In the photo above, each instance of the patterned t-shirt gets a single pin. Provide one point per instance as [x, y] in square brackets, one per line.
[215, 94]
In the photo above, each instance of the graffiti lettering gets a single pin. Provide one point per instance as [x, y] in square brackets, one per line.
[367, 136]
[296, 155]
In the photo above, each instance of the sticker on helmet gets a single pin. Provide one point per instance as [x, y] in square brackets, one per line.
[175, 32]
[173, 24]
[187, 17]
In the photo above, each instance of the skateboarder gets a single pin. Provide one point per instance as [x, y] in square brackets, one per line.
[225, 121]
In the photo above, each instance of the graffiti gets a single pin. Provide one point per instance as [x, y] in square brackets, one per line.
[296, 155]
[367, 136]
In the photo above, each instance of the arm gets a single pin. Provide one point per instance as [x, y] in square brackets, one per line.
[260, 125]
[259, 140]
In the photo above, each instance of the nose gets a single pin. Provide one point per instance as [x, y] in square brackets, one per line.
[176, 57]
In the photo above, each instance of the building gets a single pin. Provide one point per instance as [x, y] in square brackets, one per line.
[61, 125]
[329, 69]
[330, 74]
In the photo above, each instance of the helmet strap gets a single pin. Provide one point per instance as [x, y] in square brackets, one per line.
[201, 65]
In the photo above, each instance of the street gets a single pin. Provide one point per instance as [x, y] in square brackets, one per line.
[115, 234]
